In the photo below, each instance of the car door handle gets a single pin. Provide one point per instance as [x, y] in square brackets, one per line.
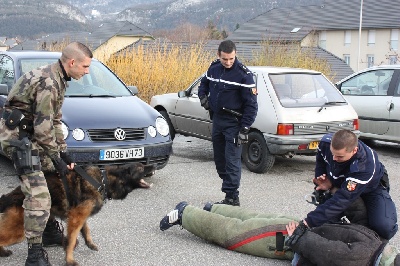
[390, 106]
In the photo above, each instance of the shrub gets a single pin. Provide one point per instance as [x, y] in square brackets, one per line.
[165, 67]
[159, 68]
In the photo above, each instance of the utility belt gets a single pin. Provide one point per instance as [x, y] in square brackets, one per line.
[232, 112]
[25, 159]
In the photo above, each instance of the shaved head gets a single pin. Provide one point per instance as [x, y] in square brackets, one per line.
[77, 51]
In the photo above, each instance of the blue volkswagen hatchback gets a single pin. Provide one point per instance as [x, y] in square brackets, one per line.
[104, 122]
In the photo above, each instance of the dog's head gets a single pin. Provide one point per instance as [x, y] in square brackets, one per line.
[122, 179]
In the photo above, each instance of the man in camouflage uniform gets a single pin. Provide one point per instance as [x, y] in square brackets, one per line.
[37, 98]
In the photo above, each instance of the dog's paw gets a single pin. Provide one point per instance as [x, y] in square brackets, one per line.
[72, 263]
[5, 252]
[92, 246]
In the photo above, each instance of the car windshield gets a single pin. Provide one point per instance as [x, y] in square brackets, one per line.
[305, 89]
[100, 82]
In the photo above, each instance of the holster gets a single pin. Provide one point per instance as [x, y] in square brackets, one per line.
[25, 159]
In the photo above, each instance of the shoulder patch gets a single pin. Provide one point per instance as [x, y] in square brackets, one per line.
[214, 62]
[351, 185]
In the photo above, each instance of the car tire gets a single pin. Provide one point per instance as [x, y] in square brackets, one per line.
[256, 155]
[171, 127]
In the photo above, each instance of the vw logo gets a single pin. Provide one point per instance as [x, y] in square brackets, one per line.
[119, 134]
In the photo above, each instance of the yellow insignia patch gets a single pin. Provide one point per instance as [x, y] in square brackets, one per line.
[351, 185]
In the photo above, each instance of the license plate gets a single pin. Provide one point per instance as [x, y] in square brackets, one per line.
[121, 154]
[313, 145]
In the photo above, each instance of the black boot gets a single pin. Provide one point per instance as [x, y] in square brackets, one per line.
[229, 201]
[53, 234]
[37, 256]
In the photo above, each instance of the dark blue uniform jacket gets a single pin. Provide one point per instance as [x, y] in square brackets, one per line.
[233, 88]
[360, 175]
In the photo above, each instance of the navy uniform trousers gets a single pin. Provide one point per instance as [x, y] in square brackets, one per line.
[227, 154]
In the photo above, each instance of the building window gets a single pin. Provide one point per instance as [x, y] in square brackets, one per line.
[371, 37]
[370, 59]
[347, 38]
[346, 58]
[322, 39]
[393, 60]
[394, 39]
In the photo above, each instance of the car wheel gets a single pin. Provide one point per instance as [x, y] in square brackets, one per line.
[256, 155]
[171, 127]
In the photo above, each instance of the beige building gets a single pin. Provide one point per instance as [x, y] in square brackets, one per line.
[333, 26]
[377, 46]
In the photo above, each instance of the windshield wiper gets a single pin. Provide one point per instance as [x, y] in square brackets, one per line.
[330, 103]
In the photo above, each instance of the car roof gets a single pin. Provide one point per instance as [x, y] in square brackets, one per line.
[276, 70]
[31, 54]
[381, 67]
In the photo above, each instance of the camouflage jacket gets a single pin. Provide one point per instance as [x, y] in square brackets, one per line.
[39, 94]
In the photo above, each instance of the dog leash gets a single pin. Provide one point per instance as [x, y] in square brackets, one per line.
[99, 186]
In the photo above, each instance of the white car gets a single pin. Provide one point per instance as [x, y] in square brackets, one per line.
[296, 107]
[375, 95]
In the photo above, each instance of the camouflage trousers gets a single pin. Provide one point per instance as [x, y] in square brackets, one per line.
[37, 202]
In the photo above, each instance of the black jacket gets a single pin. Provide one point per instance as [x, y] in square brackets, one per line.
[338, 245]
[233, 88]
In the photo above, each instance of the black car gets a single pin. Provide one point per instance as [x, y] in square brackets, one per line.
[104, 122]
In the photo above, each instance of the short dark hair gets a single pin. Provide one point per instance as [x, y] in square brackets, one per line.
[344, 138]
[226, 46]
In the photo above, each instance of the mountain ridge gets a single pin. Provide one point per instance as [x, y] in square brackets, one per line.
[30, 19]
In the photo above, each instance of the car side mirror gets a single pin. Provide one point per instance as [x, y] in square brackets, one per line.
[182, 94]
[133, 90]
[3, 89]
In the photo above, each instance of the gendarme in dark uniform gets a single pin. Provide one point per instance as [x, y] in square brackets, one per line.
[229, 86]
[363, 175]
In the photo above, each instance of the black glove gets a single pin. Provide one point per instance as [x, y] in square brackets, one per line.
[243, 137]
[66, 157]
[204, 102]
[60, 165]
[297, 233]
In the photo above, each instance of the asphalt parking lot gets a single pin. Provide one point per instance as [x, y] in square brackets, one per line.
[127, 232]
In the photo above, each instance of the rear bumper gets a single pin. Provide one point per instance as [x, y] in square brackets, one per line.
[289, 144]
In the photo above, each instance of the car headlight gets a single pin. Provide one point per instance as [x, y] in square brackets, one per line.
[152, 131]
[65, 130]
[78, 134]
[162, 126]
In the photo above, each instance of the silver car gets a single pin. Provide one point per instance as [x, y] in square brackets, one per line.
[296, 107]
[375, 95]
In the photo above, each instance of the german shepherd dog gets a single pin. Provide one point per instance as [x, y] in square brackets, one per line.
[83, 201]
